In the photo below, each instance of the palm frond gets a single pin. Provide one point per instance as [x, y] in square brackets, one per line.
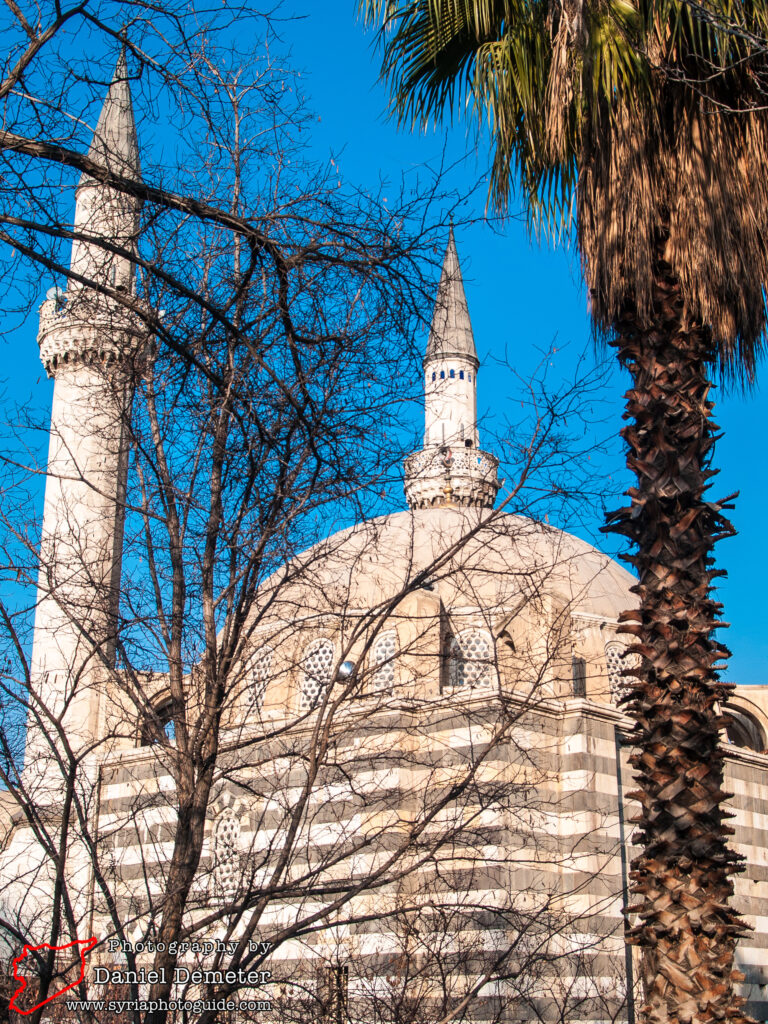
[628, 115]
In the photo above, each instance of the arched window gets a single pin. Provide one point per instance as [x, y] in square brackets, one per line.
[744, 730]
[383, 660]
[226, 853]
[257, 674]
[316, 672]
[470, 659]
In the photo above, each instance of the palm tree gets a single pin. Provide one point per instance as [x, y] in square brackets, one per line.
[641, 125]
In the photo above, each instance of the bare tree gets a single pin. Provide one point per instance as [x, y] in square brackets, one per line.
[401, 800]
[252, 750]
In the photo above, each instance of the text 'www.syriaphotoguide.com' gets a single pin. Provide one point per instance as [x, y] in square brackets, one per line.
[194, 1005]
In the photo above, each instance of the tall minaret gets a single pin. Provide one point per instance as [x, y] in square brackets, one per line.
[450, 469]
[87, 343]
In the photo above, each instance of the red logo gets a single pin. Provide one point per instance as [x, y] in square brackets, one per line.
[86, 945]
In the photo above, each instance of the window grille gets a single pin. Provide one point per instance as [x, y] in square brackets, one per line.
[383, 658]
[226, 851]
[258, 674]
[316, 672]
[470, 659]
[617, 660]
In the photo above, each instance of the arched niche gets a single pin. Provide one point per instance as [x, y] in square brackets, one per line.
[747, 728]
[158, 719]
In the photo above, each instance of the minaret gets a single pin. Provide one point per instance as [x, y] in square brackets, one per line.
[450, 469]
[87, 343]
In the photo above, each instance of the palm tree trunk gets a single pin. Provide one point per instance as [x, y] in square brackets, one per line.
[682, 878]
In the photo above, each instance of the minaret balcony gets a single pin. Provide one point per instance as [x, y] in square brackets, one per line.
[451, 476]
[87, 328]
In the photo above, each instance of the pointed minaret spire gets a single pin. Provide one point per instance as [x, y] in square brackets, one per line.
[101, 211]
[115, 143]
[450, 470]
[450, 363]
[451, 331]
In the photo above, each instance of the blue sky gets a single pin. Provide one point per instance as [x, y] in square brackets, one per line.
[523, 298]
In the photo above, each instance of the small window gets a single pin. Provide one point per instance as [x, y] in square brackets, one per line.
[744, 730]
[335, 994]
[453, 653]
[226, 853]
[469, 376]
[316, 672]
[579, 674]
[453, 374]
[434, 375]
[442, 375]
[461, 375]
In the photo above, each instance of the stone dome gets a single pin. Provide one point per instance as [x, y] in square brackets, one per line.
[417, 598]
[471, 557]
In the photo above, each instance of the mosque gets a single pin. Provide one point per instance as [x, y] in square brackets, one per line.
[419, 809]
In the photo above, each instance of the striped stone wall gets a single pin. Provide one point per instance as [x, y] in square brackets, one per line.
[520, 878]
